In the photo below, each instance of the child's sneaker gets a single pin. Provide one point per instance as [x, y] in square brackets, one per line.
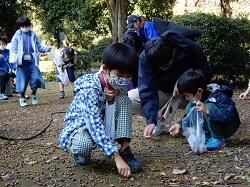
[23, 102]
[214, 143]
[78, 160]
[207, 140]
[62, 94]
[3, 96]
[128, 157]
[34, 99]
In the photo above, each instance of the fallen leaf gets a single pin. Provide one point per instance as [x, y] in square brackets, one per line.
[218, 182]
[32, 162]
[7, 176]
[195, 178]
[248, 178]
[174, 181]
[51, 159]
[178, 171]
[240, 176]
[238, 167]
[229, 176]
[163, 174]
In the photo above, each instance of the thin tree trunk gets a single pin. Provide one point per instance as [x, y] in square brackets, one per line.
[226, 10]
[118, 15]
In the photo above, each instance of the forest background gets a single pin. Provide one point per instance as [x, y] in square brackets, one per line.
[90, 25]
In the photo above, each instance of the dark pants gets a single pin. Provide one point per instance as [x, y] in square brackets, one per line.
[3, 81]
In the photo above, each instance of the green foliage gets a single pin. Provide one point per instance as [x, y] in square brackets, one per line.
[92, 58]
[151, 8]
[77, 16]
[226, 44]
[50, 76]
[10, 11]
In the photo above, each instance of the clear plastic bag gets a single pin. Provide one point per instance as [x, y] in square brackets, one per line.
[55, 56]
[64, 77]
[192, 126]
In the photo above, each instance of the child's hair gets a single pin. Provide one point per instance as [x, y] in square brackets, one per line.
[134, 41]
[23, 21]
[190, 81]
[159, 51]
[69, 51]
[4, 39]
[120, 56]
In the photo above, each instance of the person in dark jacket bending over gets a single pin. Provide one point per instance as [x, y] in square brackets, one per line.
[161, 64]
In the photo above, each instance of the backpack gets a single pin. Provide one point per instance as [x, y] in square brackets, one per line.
[164, 25]
[132, 39]
[220, 88]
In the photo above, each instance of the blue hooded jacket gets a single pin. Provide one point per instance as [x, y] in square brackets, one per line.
[148, 32]
[4, 62]
[226, 112]
[150, 79]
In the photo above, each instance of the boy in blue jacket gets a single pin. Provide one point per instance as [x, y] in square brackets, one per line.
[4, 66]
[221, 118]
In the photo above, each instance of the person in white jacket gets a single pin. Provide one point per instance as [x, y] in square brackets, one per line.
[24, 50]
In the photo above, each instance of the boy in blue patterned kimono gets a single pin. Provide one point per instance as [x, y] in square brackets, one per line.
[85, 126]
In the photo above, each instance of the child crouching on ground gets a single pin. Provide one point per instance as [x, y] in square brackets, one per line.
[84, 123]
[221, 118]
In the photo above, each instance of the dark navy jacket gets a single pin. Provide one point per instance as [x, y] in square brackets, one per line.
[226, 112]
[188, 55]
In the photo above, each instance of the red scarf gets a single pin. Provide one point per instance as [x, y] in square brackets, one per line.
[104, 82]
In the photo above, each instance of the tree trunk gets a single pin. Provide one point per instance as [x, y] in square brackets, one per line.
[118, 15]
[226, 10]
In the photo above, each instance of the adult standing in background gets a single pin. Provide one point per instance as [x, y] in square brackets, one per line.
[160, 65]
[24, 50]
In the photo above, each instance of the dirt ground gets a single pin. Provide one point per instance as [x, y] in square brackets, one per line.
[166, 160]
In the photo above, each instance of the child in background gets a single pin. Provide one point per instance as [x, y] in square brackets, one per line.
[244, 95]
[85, 124]
[24, 51]
[4, 66]
[69, 57]
[221, 118]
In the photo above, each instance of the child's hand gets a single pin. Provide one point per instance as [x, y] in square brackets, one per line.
[176, 93]
[148, 131]
[202, 108]
[66, 66]
[51, 47]
[174, 130]
[111, 94]
[243, 95]
[122, 167]
[1, 56]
